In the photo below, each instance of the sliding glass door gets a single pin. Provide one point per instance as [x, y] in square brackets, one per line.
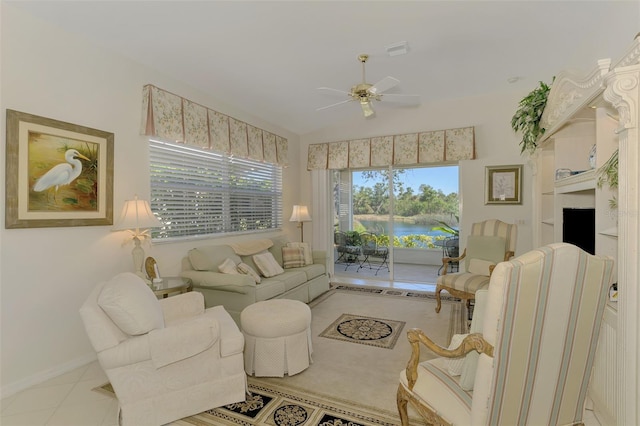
[424, 205]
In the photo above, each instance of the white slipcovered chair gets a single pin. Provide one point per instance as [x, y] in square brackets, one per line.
[537, 345]
[166, 359]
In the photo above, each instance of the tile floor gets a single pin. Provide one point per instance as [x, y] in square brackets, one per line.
[68, 400]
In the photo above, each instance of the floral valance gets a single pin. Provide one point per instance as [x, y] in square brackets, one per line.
[408, 149]
[171, 117]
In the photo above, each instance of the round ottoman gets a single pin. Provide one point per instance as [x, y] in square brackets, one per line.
[277, 336]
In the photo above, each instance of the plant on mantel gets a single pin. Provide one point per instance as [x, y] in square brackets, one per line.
[608, 173]
[527, 117]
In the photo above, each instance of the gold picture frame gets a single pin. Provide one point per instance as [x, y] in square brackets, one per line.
[503, 184]
[57, 174]
[151, 268]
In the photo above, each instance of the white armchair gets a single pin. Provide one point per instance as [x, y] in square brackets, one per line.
[536, 341]
[166, 359]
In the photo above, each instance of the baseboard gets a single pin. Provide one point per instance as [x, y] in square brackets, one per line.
[45, 375]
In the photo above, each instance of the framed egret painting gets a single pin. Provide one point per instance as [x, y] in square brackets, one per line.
[57, 173]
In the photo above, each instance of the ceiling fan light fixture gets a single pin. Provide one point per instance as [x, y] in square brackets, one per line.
[366, 108]
[365, 93]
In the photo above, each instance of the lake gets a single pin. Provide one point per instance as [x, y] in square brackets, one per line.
[400, 228]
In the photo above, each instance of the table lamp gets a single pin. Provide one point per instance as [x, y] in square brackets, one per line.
[300, 214]
[137, 218]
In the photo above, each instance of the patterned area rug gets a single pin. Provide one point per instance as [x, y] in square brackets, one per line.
[277, 406]
[427, 295]
[379, 332]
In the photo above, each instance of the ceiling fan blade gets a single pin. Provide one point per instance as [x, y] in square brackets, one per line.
[367, 109]
[333, 105]
[330, 91]
[384, 85]
[401, 99]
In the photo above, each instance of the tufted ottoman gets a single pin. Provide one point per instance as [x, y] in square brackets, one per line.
[277, 337]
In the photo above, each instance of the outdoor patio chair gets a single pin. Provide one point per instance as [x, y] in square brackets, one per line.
[348, 251]
[530, 361]
[491, 241]
[372, 250]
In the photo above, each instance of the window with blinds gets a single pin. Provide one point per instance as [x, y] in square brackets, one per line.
[198, 193]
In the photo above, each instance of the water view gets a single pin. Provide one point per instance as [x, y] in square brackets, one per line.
[401, 229]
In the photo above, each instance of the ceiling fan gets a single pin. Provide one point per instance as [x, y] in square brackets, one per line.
[365, 93]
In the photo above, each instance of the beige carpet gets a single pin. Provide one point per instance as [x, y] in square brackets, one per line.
[348, 383]
[367, 375]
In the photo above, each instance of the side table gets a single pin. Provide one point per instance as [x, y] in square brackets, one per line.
[170, 285]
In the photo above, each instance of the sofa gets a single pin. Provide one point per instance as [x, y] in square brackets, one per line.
[292, 278]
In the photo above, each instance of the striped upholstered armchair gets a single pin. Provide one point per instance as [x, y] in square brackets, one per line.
[490, 242]
[536, 346]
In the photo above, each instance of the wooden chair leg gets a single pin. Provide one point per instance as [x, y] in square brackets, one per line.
[438, 301]
[402, 406]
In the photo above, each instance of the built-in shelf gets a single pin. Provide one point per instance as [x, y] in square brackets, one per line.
[548, 193]
[611, 232]
[576, 183]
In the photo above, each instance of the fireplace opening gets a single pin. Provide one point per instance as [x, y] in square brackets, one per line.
[579, 228]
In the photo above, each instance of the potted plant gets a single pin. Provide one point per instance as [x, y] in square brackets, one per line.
[608, 173]
[450, 246]
[445, 227]
[528, 115]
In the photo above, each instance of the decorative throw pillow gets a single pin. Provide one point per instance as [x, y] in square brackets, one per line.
[454, 365]
[243, 268]
[480, 267]
[200, 261]
[228, 267]
[292, 257]
[267, 264]
[131, 304]
[485, 247]
[308, 254]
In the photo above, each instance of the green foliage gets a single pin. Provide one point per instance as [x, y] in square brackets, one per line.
[608, 173]
[429, 201]
[528, 115]
[353, 238]
[445, 227]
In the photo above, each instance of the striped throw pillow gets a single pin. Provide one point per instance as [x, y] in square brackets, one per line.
[243, 268]
[308, 254]
[292, 257]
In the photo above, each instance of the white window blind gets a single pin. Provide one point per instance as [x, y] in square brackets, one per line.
[196, 192]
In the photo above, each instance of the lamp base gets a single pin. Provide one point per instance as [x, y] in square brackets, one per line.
[138, 259]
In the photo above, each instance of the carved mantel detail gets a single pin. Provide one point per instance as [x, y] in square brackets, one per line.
[622, 90]
[570, 93]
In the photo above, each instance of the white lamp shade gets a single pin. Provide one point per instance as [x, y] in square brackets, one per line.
[300, 214]
[136, 214]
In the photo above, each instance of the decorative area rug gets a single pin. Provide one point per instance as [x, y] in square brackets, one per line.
[277, 406]
[393, 292]
[347, 384]
[379, 332]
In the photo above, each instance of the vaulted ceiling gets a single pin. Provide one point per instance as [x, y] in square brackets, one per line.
[268, 58]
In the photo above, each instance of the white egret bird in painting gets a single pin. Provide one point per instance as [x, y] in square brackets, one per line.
[63, 173]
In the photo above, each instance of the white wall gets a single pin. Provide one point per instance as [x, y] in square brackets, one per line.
[46, 273]
[496, 144]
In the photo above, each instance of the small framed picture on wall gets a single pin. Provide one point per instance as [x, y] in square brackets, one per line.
[503, 184]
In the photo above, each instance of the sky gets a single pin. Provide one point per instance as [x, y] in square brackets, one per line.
[443, 178]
